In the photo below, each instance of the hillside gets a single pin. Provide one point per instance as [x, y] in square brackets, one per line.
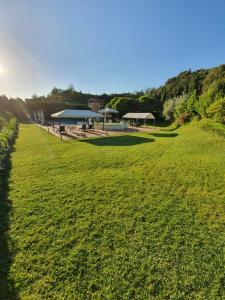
[192, 91]
[139, 216]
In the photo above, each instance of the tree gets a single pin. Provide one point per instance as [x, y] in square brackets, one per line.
[174, 107]
[150, 104]
[215, 92]
[125, 105]
[217, 110]
[192, 103]
[180, 106]
[168, 109]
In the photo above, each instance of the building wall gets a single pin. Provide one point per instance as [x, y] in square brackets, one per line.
[95, 104]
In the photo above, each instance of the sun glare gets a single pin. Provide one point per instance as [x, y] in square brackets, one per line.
[2, 69]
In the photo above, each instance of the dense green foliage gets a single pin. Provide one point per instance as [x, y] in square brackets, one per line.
[56, 100]
[211, 126]
[217, 110]
[205, 102]
[143, 104]
[138, 216]
[7, 135]
[8, 130]
[200, 89]
[182, 97]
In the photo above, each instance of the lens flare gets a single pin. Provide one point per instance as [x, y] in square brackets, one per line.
[2, 69]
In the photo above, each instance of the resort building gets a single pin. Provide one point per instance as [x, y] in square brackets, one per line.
[95, 104]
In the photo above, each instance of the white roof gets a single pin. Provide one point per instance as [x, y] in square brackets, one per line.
[147, 115]
[76, 114]
[108, 110]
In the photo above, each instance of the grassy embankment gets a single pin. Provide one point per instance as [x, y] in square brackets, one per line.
[140, 216]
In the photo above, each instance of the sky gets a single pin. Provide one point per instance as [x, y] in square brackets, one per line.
[105, 45]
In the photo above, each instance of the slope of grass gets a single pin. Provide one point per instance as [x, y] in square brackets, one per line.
[212, 126]
[133, 217]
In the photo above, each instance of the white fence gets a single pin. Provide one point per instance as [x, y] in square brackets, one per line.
[111, 126]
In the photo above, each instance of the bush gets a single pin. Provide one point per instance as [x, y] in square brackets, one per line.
[168, 109]
[174, 107]
[124, 105]
[216, 110]
[212, 126]
[215, 92]
[181, 106]
[183, 118]
[7, 137]
[2, 123]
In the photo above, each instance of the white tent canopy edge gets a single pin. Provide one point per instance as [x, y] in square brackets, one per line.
[137, 116]
[76, 114]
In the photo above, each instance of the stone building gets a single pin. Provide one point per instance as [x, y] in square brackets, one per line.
[95, 104]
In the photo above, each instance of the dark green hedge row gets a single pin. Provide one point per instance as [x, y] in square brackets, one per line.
[7, 138]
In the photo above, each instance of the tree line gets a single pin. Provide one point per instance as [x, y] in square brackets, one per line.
[56, 100]
[200, 93]
[191, 93]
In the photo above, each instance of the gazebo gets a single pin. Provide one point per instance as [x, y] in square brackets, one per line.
[76, 115]
[139, 116]
[107, 112]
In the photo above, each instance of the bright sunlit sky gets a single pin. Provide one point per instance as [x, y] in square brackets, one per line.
[105, 45]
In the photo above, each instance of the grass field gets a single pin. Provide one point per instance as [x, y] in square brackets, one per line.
[140, 216]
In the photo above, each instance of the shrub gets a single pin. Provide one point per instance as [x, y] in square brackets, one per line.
[7, 137]
[168, 109]
[192, 103]
[2, 123]
[212, 126]
[215, 92]
[174, 107]
[216, 110]
[183, 118]
[181, 106]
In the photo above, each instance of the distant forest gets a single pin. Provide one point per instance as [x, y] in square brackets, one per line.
[192, 93]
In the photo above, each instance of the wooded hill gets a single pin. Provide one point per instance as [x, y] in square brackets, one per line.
[190, 93]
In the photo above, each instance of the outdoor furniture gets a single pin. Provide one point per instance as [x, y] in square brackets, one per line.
[61, 129]
[69, 114]
[84, 127]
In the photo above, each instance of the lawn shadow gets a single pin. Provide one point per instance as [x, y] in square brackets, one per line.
[163, 134]
[7, 286]
[124, 140]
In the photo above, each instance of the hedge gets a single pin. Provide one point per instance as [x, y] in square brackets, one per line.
[7, 138]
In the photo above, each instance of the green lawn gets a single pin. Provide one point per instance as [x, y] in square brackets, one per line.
[140, 216]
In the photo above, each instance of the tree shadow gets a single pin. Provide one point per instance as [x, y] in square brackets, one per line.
[172, 128]
[160, 134]
[7, 286]
[124, 140]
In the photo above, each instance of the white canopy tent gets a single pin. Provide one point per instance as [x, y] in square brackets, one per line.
[139, 116]
[107, 112]
[143, 116]
[70, 114]
[76, 114]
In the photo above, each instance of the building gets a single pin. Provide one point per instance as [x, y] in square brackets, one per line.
[95, 104]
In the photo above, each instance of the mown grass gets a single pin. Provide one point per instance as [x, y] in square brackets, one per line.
[140, 216]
